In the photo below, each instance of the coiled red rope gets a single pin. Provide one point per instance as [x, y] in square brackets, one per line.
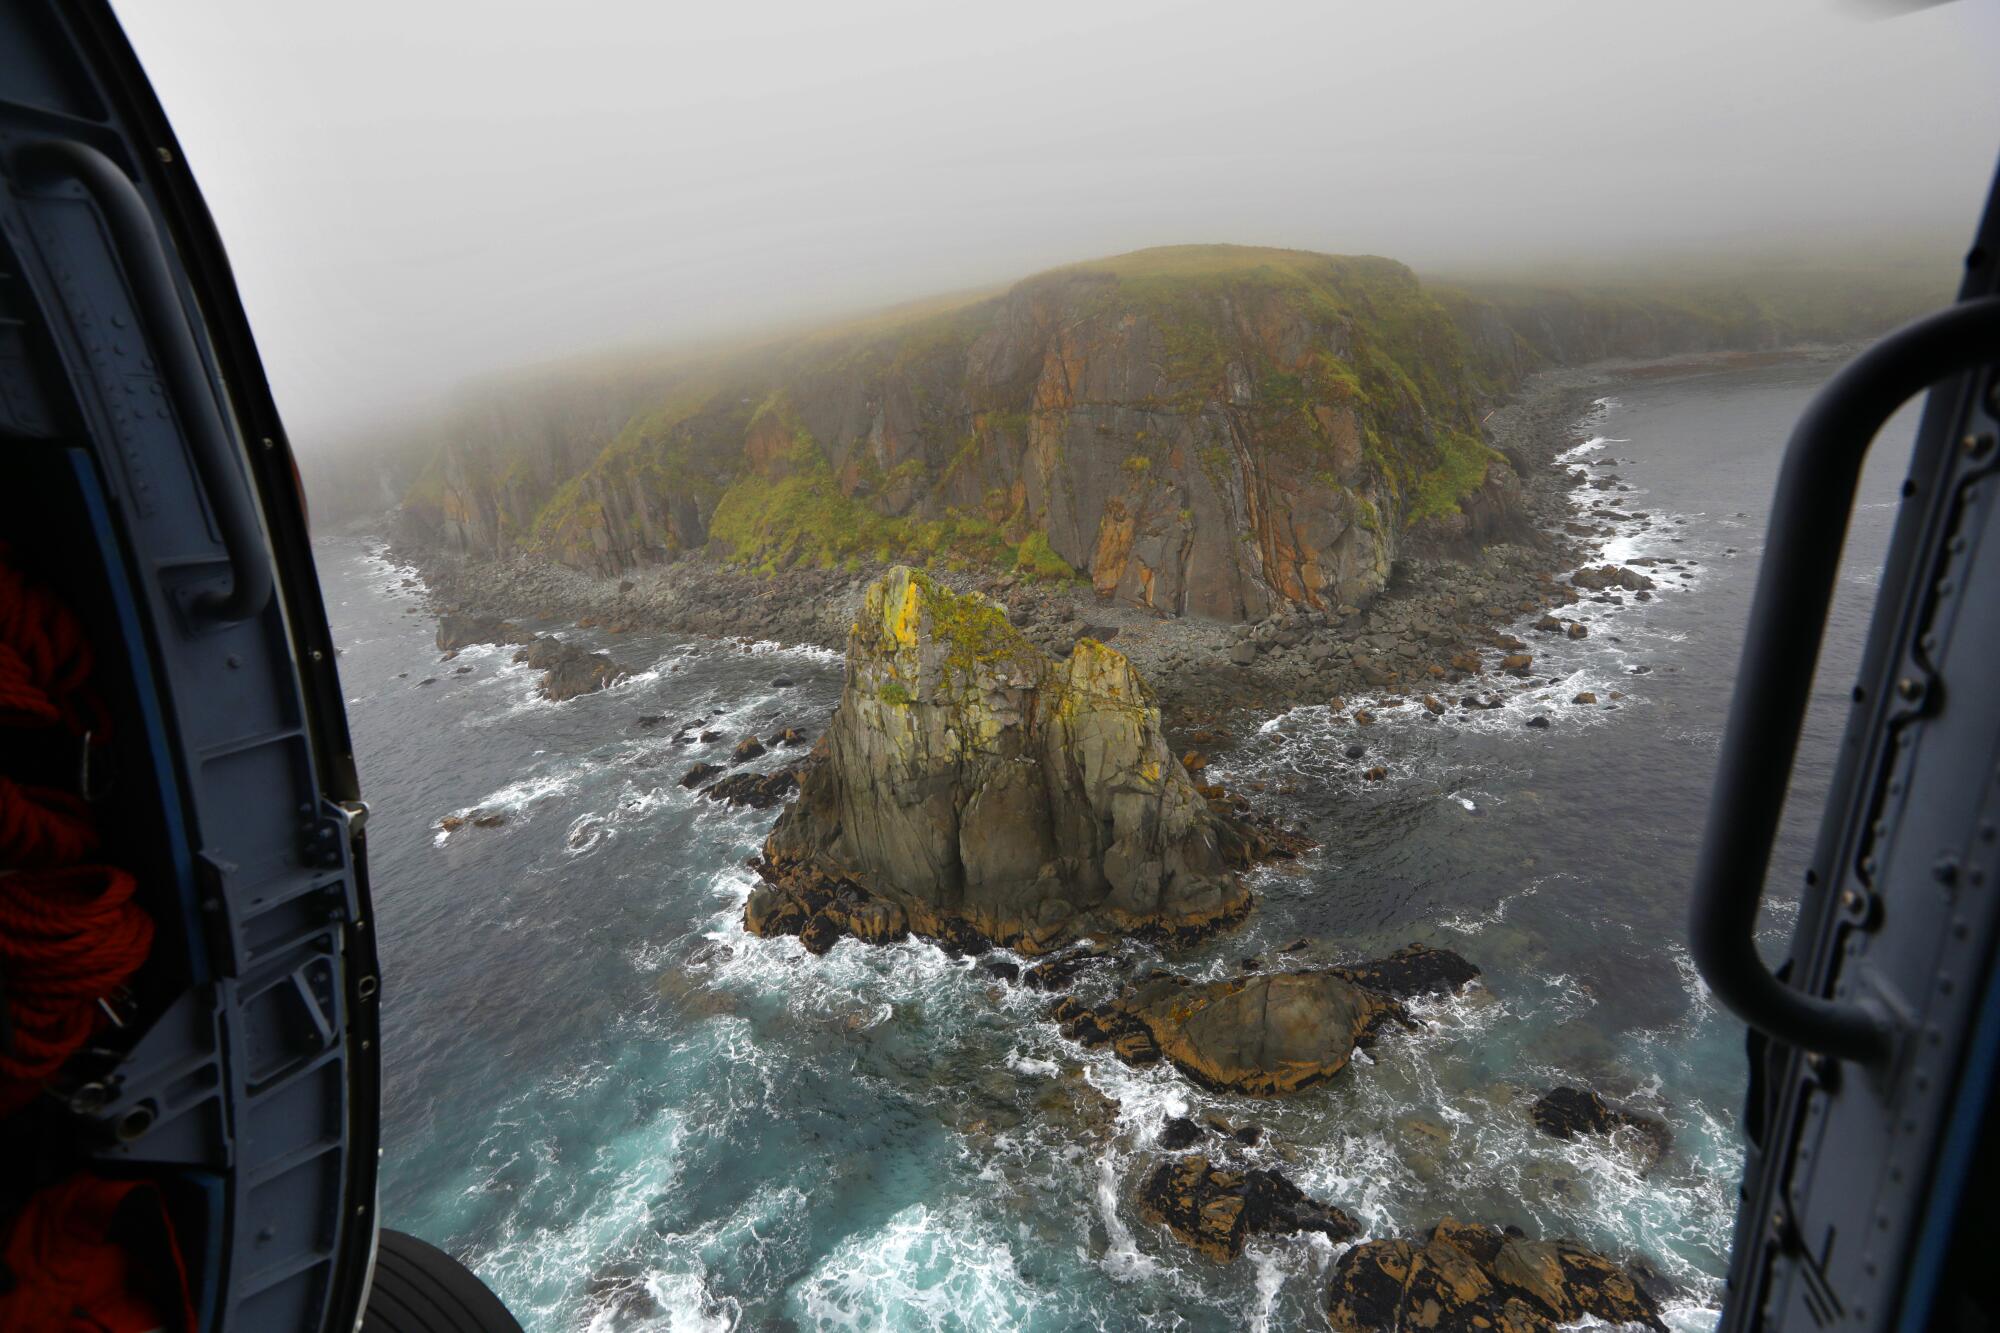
[68, 938]
[45, 661]
[70, 934]
[43, 826]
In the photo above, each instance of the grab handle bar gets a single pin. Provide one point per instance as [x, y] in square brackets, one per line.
[1809, 511]
[137, 242]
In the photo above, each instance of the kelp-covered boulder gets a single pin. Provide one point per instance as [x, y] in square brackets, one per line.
[1215, 1208]
[977, 787]
[1477, 1279]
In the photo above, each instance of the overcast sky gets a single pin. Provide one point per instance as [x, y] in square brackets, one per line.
[417, 191]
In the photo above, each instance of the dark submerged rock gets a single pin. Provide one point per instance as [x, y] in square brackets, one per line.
[1414, 969]
[1179, 1133]
[700, 774]
[1057, 973]
[1567, 1112]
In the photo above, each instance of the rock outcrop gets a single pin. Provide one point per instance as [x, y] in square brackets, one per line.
[1475, 1279]
[761, 791]
[1215, 1208]
[579, 672]
[567, 669]
[1599, 577]
[1264, 1035]
[975, 789]
[1565, 1113]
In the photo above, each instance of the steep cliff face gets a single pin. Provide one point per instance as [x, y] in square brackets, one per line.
[1207, 430]
[972, 787]
[1211, 431]
[511, 447]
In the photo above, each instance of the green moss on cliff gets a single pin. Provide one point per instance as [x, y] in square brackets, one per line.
[1035, 558]
[804, 520]
[1462, 460]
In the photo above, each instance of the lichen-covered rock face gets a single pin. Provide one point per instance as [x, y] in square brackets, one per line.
[1472, 1278]
[973, 783]
[1215, 1208]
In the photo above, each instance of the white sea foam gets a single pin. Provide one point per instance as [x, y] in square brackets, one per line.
[923, 1269]
[1123, 1259]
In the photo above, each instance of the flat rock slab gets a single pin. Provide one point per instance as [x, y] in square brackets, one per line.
[1263, 1035]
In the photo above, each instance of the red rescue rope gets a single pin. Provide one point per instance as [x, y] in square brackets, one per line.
[44, 659]
[41, 826]
[70, 934]
[90, 1255]
[87, 1255]
[68, 938]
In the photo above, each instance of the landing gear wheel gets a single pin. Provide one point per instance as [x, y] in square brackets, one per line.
[419, 1288]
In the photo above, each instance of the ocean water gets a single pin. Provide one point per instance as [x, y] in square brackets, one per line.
[626, 1114]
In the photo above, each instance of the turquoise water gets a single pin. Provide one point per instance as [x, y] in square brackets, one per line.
[628, 1115]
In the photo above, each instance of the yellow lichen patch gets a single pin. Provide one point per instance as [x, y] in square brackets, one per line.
[909, 613]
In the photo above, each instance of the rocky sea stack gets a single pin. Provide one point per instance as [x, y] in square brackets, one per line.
[974, 789]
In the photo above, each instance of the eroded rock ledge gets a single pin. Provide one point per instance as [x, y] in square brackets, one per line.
[976, 790]
[1215, 1208]
[1465, 1278]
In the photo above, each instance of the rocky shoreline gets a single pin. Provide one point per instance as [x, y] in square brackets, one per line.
[1437, 627]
